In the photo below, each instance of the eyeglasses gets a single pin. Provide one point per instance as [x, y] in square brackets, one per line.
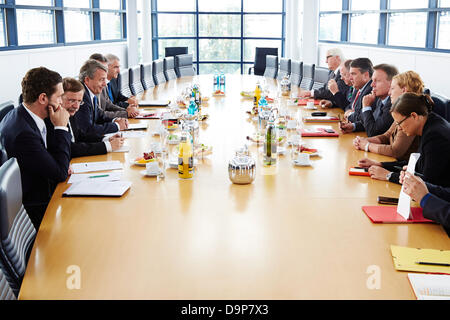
[400, 123]
[73, 101]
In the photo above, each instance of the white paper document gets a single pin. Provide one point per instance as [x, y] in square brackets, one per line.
[96, 166]
[137, 126]
[127, 135]
[125, 148]
[110, 176]
[404, 201]
[151, 103]
[98, 188]
[430, 286]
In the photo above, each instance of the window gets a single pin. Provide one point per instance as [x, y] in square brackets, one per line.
[414, 24]
[220, 35]
[330, 27]
[407, 29]
[2, 29]
[46, 23]
[35, 27]
[364, 27]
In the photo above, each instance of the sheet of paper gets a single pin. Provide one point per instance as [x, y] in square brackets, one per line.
[125, 148]
[404, 202]
[430, 286]
[137, 126]
[110, 176]
[96, 166]
[98, 188]
[161, 103]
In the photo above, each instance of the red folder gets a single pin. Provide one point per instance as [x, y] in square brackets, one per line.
[358, 172]
[304, 102]
[318, 133]
[381, 214]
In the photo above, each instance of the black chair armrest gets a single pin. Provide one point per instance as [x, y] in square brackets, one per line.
[249, 70]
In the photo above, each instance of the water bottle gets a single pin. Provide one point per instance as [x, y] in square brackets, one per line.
[215, 83]
[192, 109]
[222, 82]
[185, 158]
[270, 144]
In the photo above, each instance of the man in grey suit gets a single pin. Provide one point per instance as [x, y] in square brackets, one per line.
[112, 110]
[334, 59]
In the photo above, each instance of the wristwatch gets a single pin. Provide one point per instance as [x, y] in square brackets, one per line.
[388, 176]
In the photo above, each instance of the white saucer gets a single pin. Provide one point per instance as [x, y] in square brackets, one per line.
[298, 164]
[145, 174]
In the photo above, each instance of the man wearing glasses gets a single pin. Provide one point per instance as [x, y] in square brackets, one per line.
[334, 59]
[82, 143]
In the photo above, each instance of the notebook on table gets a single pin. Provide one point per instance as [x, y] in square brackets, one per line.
[363, 172]
[321, 119]
[430, 286]
[387, 214]
[97, 189]
[154, 103]
[304, 102]
[321, 132]
[137, 126]
[421, 260]
[149, 115]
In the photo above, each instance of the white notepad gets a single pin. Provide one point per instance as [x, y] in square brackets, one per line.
[98, 189]
[430, 286]
[99, 177]
[137, 126]
[124, 148]
[154, 103]
[96, 166]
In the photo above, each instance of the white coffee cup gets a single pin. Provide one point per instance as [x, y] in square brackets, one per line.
[152, 167]
[310, 104]
[303, 158]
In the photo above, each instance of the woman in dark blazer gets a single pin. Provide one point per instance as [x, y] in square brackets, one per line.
[412, 114]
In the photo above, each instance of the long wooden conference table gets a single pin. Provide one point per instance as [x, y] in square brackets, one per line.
[295, 233]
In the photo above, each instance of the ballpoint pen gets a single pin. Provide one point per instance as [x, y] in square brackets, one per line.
[433, 263]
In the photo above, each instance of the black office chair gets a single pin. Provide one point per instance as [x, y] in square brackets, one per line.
[5, 108]
[296, 73]
[124, 83]
[20, 100]
[6, 292]
[169, 68]
[17, 232]
[320, 77]
[271, 67]
[260, 60]
[285, 68]
[184, 66]
[441, 105]
[174, 51]
[147, 76]
[158, 72]
[136, 86]
[308, 76]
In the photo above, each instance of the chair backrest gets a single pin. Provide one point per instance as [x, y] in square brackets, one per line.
[17, 232]
[285, 68]
[135, 80]
[158, 72]
[20, 100]
[271, 67]
[296, 72]
[174, 51]
[169, 68]
[3, 154]
[5, 108]
[147, 76]
[320, 77]
[124, 83]
[6, 292]
[184, 66]
[441, 105]
[308, 76]
[260, 59]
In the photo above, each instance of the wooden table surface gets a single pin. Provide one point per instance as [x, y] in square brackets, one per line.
[295, 233]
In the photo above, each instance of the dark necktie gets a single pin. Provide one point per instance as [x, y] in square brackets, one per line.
[110, 92]
[356, 99]
[95, 108]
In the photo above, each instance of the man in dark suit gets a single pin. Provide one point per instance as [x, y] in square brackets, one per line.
[434, 200]
[84, 144]
[334, 59]
[114, 93]
[43, 162]
[342, 91]
[90, 117]
[361, 71]
[376, 112]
